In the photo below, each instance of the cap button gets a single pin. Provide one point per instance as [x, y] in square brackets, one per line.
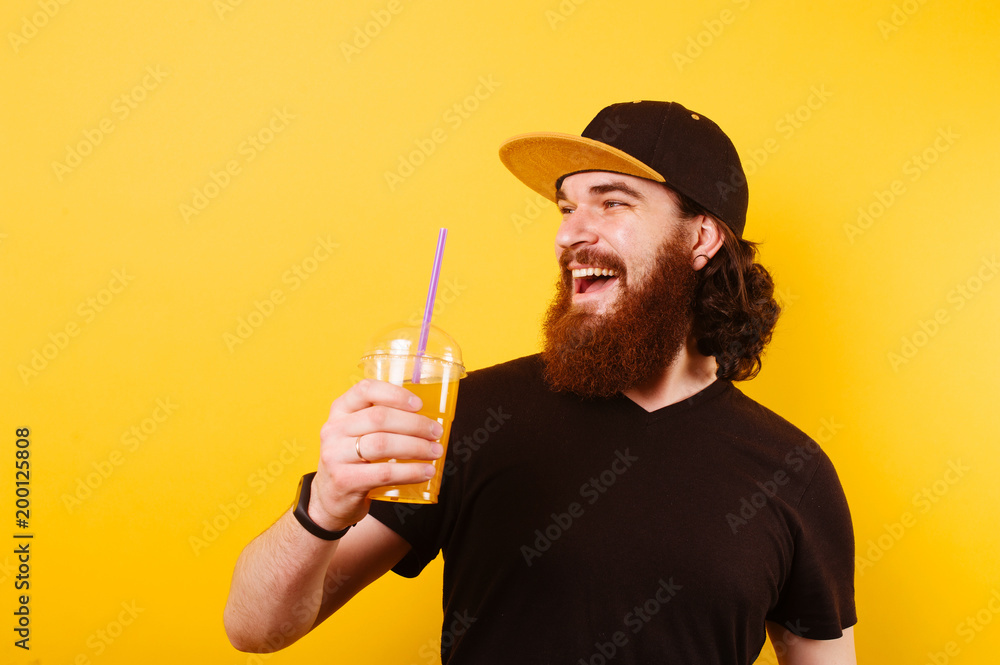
[696, 116]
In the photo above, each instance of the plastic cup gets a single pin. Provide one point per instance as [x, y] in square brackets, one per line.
[392, 356]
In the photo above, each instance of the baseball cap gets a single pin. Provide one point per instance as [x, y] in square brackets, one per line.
[661, 141]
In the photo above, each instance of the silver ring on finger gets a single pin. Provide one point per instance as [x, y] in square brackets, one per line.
[357, 449]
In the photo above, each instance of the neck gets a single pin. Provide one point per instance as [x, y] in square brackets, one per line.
[687, 375]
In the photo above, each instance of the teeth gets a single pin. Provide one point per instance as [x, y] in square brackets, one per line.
[594, 272]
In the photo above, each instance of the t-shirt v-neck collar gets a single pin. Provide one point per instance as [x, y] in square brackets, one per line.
[709, 392]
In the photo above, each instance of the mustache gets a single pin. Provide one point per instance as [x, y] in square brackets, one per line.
[591, 257]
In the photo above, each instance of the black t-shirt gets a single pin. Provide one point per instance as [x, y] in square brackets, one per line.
[592, 531]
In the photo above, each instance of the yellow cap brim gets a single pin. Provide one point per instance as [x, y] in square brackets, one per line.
[541, 158]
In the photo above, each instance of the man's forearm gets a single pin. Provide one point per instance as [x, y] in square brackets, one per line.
[277, 587]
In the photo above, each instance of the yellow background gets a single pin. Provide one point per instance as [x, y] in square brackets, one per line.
[868, 86]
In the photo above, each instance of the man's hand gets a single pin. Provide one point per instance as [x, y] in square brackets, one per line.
[794, 650]
[383, 417]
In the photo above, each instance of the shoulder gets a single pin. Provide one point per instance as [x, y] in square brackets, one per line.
[523, 367]
[517, 391]
[765, 436]
[758, 421]
[518, 375]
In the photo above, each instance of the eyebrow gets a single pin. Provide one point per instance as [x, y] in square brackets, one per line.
[604, 188]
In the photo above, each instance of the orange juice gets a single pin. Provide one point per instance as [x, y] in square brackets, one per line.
[439, 399]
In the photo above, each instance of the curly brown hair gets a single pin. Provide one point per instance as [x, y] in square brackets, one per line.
[734, 306]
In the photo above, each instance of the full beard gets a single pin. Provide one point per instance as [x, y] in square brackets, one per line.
[601, 355]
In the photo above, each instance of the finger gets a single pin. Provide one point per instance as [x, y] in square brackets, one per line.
[389, 420]
[356, 480]
[369, 392]
[367, 477]
[379, 446]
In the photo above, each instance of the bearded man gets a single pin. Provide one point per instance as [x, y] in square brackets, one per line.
[615, 498]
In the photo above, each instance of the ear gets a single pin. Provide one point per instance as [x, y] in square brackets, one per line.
[708, 239]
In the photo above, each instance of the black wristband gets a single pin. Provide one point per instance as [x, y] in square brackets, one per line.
[301, 512]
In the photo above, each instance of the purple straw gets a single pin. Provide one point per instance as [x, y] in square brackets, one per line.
[429, 307]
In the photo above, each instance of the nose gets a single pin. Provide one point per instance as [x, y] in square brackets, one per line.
[578, 229]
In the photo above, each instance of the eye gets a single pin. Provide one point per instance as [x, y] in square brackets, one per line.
[614, 204]
[565, 210]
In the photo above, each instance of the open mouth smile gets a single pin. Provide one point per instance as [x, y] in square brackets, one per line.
[592, 280]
